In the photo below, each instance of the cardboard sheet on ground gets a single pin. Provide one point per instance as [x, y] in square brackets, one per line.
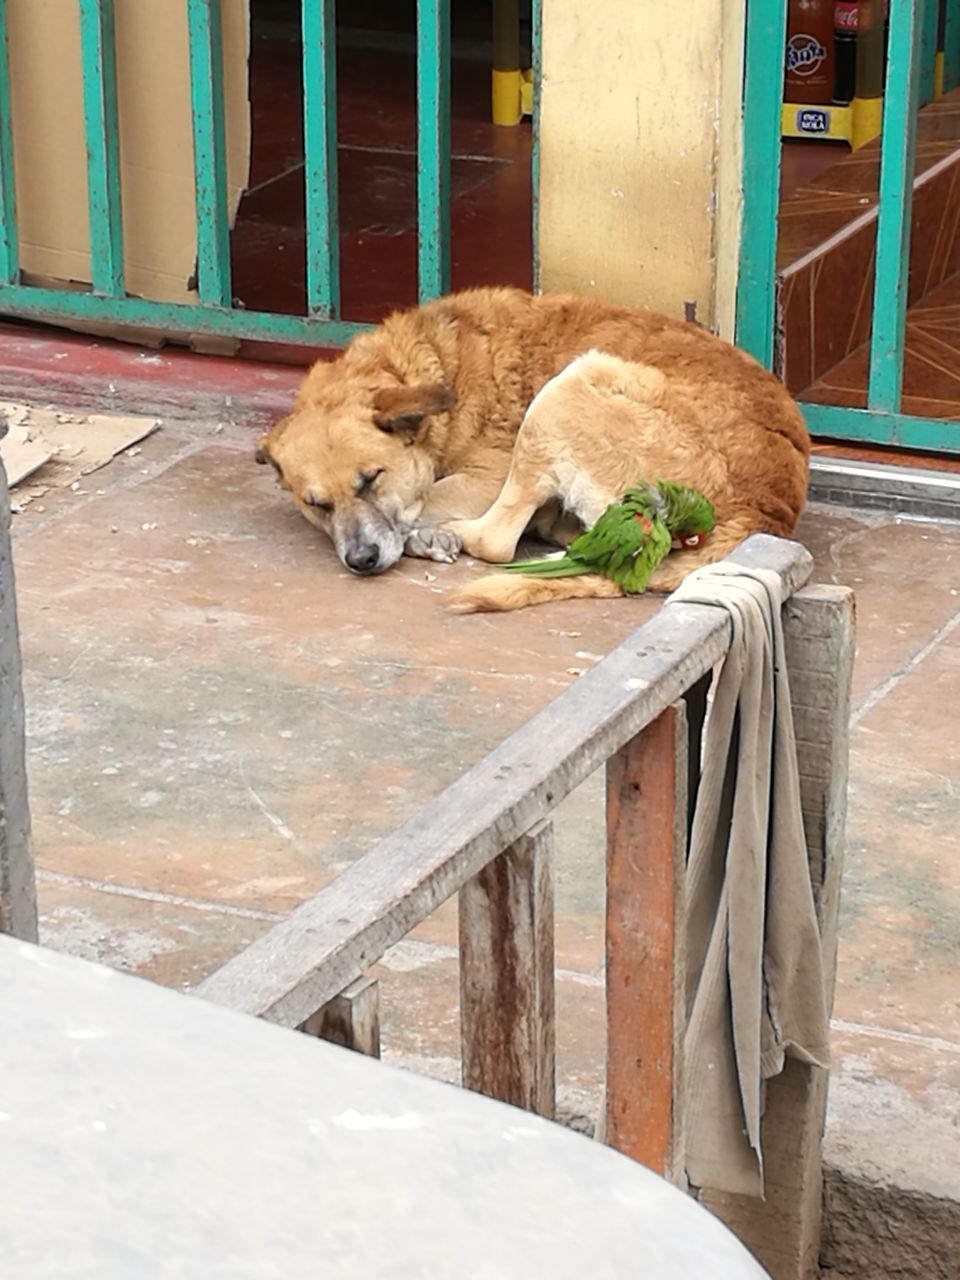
[46, 449]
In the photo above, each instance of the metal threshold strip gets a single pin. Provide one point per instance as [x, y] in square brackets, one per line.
[876, 486]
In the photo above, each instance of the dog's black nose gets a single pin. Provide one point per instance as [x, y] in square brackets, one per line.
[363, 559]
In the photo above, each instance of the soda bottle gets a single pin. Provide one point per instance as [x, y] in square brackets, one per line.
[810, 54]
[845, 27]
[872, 23]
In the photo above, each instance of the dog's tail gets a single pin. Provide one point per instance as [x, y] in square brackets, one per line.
[501, 592]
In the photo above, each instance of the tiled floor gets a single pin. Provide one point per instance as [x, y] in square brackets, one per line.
[814, 210]
[827, 251]
[221, 719]
[931, 374]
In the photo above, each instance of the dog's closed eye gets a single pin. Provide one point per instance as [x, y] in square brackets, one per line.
[366, 480]
[319, 504]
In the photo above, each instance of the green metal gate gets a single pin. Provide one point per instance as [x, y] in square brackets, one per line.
[214, 311]
[912, 55]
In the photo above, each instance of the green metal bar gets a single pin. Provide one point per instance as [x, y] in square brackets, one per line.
[433, 148]
[930, 17]
[103, 146]
[536, 41]
[320, 154]
[951, 46]
[209, 150]
[9, 248]
[174, 317]
[893, 217]
[762, 97]
[932, 435]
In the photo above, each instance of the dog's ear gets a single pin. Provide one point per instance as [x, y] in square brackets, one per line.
[401, 410]
[263, 455]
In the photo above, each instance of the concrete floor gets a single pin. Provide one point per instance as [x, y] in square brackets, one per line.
[221, 719]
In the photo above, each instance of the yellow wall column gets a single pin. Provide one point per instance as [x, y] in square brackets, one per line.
[640, 153]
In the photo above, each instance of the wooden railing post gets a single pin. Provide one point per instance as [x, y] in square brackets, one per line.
[783, 1230]
[646, 854]
[18, 899]
[351, 1019]
[507, 978]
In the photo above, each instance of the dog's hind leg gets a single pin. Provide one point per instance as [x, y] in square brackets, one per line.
[549, 468]
[554, 524]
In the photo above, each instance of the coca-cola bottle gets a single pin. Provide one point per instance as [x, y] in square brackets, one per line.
[810, 55]
[845, 26]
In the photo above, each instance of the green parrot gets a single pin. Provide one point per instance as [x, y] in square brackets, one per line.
[632, 536]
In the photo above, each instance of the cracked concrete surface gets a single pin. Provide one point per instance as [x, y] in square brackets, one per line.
[221, 719]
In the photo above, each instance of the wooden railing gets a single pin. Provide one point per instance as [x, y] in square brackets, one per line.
[488, 838]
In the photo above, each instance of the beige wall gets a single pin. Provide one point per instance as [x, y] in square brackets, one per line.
[639, 160]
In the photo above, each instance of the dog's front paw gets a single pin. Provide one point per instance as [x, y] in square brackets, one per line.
[432, 542]
[485, 542]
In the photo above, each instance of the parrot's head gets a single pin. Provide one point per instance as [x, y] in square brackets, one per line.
[689, 515]
[699, 518]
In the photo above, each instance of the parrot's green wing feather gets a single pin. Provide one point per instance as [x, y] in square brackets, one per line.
[553, 567]
[640, 570]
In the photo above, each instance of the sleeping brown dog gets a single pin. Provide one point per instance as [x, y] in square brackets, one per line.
[463, 423]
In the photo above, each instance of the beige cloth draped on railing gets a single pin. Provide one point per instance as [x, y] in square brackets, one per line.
[755, 986]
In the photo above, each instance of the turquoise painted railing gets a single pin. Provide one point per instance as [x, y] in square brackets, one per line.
[910, 79]
[433, 141]
[214, 311]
